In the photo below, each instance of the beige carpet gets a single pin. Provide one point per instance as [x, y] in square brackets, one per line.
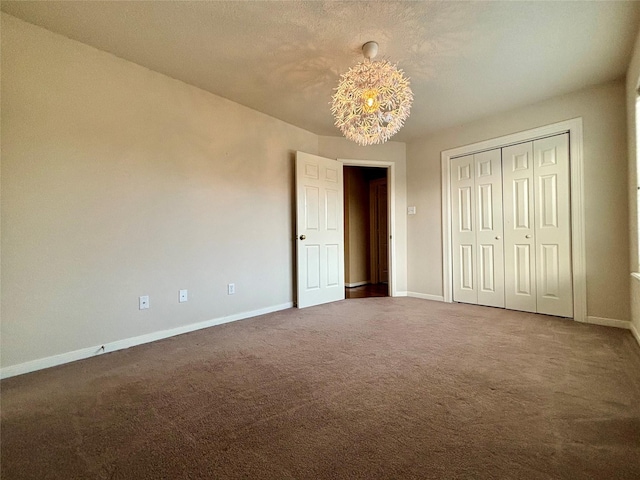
[375, 388]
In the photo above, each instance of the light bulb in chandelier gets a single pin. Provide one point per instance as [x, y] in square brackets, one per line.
[370, 102]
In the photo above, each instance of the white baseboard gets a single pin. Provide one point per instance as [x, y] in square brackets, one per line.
[400, 294]
[608, 322]
[83, 353]
[357, 284]
[635, 332]
[426, 296]
[612, 322]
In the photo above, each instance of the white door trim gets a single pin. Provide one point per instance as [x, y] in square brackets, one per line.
[574, 128]
[391, 190]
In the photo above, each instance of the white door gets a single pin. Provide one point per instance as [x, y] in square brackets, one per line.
[553, 226]
[519, 242]
[320, 231]
[489, 241]
[463, 230]
[477, 229]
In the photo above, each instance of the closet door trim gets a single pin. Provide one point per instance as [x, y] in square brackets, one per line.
[574, 128]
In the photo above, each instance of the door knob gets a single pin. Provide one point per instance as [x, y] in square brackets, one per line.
[497, 237]
[302, 237]
[527, 236]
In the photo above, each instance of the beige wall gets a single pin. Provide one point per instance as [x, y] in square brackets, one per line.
[356, 202]
[119, 182]
[605, 185]
[338, 147]
[633, 79]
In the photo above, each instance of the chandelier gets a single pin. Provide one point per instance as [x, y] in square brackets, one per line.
[372, 100]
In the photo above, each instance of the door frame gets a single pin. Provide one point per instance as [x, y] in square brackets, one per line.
[578, 255]
[391, 208]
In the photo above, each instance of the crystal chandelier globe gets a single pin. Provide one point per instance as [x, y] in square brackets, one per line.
[372, 100]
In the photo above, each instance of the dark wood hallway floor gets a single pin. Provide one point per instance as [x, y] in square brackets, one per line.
[370, 290]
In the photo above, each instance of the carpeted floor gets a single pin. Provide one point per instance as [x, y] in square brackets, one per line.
[374, 388]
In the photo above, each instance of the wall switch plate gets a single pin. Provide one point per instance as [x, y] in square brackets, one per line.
[411, 210]
[231, 288]
[144, 302]
[183, 297]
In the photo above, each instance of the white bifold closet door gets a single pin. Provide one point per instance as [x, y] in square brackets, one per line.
[519, 211]
[537, 221]
[512, 231]
[476, 186]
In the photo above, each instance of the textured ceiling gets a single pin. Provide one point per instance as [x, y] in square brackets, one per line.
[465, 59]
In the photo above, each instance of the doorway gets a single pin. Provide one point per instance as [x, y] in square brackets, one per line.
[320, 228]
[366, 232]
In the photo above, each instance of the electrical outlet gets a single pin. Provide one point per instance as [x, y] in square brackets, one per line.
[231, 288]
[183, 297]
[144, 302]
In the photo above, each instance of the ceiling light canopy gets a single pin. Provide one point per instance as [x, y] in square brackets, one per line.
[372, 100]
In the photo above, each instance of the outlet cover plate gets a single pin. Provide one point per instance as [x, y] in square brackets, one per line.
[183, 296]
[143, 302]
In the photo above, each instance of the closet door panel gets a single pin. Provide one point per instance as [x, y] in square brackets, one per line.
[489, 232]
[463, 202]
[519, 215]
[553, 226]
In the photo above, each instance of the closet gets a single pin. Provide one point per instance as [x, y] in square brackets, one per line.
[511, 237]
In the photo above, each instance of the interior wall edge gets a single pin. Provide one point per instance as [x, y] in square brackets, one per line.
[635, 332]
[632, 81]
